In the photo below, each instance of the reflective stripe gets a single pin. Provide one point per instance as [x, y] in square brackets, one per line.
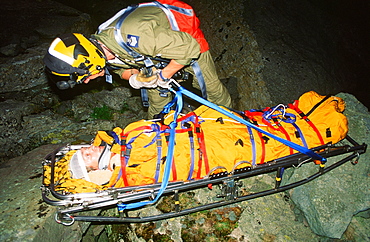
[59, 55]
[170, 16]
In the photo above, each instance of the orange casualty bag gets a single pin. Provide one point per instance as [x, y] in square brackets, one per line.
[207, 141]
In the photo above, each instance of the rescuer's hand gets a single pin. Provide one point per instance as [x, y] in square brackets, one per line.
[137, 81]
[164, 83]
[147, 75]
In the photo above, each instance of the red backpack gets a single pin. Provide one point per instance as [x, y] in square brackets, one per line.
[186, 20]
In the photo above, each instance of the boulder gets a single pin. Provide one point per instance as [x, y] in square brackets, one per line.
[330, 202]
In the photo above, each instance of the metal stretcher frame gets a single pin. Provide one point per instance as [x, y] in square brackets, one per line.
[228, 182]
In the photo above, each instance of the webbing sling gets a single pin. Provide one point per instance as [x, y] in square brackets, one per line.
[170, 154]
[190, 117]
[250, 115]
[291, 119]
[253, 143]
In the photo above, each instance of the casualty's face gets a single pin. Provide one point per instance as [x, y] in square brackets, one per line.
[91, 156]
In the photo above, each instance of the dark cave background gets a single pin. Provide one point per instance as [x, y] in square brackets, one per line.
[351, 18]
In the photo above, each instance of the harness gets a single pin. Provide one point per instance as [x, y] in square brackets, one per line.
[147, 60]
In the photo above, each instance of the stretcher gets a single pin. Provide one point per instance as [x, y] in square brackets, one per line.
[129, 198]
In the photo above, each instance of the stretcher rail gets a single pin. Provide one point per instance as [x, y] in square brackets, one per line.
[70, 204]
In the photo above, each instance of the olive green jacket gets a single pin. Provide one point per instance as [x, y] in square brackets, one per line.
[154, 37]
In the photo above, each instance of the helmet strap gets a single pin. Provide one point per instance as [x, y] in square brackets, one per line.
[108, 76]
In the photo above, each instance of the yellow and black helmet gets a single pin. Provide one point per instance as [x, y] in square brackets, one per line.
[74, 56]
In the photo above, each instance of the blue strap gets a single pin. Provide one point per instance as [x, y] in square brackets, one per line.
[192, 154]
[301, 135]
[191, 169]
[168, 166]
[144, 97]
[291, 118]
[155, 128]
[184, 11]
[192, 146]
[239, 119]
[114, 136]
[159, 158]
[158, 140]
[254, 148]
[118, 35]
[198, 73]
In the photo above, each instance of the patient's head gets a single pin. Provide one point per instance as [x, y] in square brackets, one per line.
[91, 156]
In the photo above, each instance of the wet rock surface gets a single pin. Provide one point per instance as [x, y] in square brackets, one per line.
[265, 54]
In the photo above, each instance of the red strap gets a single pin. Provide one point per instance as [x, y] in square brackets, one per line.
[122, 158]
[295, 108]
[263, 148]
[174, 173]
[281, 128]
[202, 153]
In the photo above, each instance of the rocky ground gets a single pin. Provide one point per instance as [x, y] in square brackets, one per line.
[266, 53]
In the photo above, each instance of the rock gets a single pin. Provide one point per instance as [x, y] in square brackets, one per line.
[24, 72]
[12, 126]
[330, 202]
[10, 50]
[44, 21]
[291, 36]
[235, 51]
[24, 216]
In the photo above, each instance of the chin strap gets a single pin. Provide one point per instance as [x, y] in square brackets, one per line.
[82, 165]
[104, 158]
